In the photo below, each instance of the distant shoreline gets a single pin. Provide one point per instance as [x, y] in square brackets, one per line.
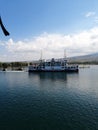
[22, 66]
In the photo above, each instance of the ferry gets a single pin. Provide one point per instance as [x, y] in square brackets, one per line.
[53, 65]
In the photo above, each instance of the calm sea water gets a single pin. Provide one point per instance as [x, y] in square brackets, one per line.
[49, 101]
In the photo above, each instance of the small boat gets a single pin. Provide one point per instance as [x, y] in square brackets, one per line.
[53, 65]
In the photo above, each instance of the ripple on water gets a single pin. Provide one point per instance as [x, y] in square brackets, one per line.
[48, 101]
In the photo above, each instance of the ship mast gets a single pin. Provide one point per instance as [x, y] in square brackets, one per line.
[41, 55]
[64, 54]
[65, 60]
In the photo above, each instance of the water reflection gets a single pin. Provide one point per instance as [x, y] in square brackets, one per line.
[49, 76]
[49, 101]
[53, 81]
[47, 81]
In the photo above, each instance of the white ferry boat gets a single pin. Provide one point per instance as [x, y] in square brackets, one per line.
[53, 65]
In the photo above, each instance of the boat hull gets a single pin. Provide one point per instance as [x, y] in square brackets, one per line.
[66, 70]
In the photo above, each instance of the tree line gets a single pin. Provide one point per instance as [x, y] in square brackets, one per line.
[13, 64]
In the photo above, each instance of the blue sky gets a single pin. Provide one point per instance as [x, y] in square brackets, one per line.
[48, 25]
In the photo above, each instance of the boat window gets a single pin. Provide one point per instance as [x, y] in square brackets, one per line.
[63, 63]
[57, 64]
[47, 64]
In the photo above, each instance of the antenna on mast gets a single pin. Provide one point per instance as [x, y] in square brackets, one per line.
[64, 54]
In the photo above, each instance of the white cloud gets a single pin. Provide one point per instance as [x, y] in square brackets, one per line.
[93, 16]
[96, 19]
[90, 14]
[52, 45]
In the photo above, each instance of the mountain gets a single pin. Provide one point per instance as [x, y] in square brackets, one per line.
[91, 58]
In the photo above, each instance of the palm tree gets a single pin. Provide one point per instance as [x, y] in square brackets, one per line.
[3, 28]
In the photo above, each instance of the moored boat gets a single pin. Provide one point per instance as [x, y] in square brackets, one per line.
[53, 65]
